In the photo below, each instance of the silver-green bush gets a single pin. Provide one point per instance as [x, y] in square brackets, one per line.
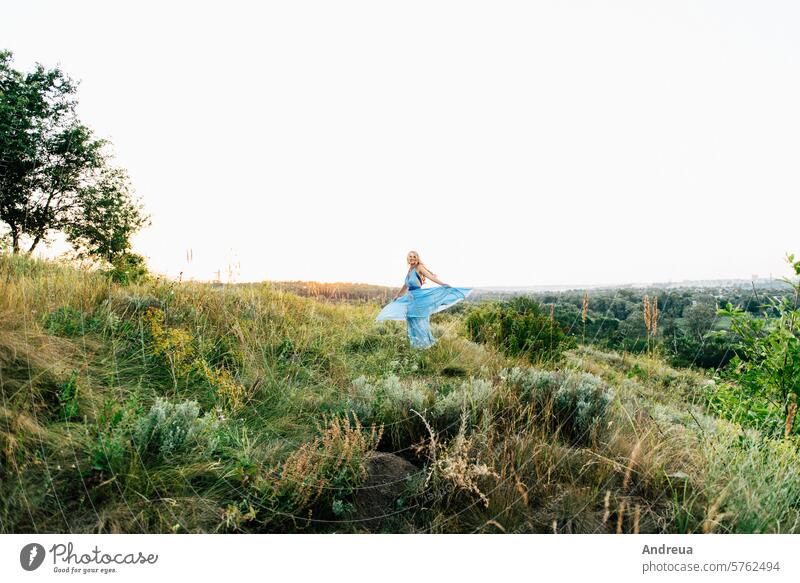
[170, 428]
[574, 403]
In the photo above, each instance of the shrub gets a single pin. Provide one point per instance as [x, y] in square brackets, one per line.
[112, 449]
[178, 348]
[68, 396]
[67, 321]
[324, 470]
[518, 327]
[712, 351]
[767, 361]
[128, 268]
[171, 429]
[456, 469]
[469, 399]
[399, 398]
[574, 404]
[361, 399]
[386, 401]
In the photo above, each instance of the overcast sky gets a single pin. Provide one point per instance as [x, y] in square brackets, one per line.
[510, 143]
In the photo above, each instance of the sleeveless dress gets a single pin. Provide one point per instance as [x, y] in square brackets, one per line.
[417, 305]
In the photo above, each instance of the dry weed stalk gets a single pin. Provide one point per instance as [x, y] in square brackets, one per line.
[620, 516]
[607, 507]
[339, 450]
[431, 447]
[521, 488]
[713, 515]
[585, 313]
[453, 467]
[631, 463]
[585, 310]
[650, 319]
[654, 317]
[496, 524]
[790, 414]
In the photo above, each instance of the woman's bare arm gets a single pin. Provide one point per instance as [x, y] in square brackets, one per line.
[430, 276]
[402, 291]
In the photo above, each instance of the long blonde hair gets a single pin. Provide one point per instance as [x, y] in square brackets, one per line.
[419, 262]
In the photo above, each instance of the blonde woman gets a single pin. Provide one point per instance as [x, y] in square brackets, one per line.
[415, 304]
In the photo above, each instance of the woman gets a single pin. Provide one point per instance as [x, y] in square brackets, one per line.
[415, 304]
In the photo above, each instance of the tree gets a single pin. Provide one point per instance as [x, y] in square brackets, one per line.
[700, 317]
[110, 216]
[55, 175]
[633, 332]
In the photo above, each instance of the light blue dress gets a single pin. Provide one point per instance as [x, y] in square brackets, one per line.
[417, 305]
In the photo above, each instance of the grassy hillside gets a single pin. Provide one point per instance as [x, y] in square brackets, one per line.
[166, 407]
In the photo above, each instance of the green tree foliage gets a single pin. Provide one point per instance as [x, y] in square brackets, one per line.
[633, 332]
[110, 217]
[55, 175]
[767, 361]
[700, 317]
[128, 268]
[710, 351]
[518, 327]
[687, 318]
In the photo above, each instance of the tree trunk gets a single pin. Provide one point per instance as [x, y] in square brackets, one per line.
[15, 241]
[35, 243]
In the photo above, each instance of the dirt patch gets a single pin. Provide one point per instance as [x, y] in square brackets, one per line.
[376, 498]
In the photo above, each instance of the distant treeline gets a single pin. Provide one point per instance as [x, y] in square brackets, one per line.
[336, 292]
[687, 319]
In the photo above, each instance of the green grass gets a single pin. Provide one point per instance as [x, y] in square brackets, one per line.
[184, 407]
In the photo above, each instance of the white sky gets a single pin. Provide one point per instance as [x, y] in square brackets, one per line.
[510, 143]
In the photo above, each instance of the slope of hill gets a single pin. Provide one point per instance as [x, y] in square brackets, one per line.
[167, 407]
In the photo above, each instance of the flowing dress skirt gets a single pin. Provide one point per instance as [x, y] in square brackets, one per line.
[416, 307]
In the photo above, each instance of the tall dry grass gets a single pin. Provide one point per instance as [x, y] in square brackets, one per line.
[301, 391]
